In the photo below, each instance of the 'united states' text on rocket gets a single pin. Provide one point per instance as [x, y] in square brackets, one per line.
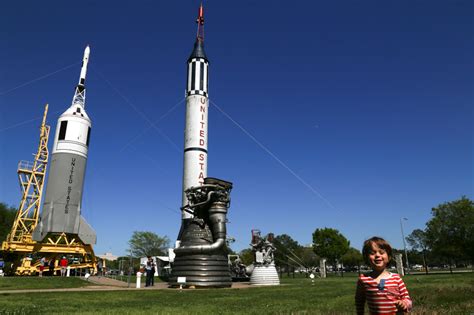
[197, 105]
[63, 200]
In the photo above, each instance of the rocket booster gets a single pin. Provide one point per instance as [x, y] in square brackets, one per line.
[62, 202]
[197, 104]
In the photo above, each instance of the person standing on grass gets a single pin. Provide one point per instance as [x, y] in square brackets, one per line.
[99, 268]
[42, 264]
[153, 270]
[149, 271]
[51, 267]
[384, 292]
[63, 265]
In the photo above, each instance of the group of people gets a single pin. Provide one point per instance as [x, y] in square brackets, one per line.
[51, 264]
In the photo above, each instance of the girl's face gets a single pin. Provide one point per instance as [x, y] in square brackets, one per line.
[378, 258]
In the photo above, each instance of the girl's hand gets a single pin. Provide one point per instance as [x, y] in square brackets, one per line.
[402, 305]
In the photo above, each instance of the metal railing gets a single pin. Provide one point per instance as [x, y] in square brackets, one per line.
[25, 165]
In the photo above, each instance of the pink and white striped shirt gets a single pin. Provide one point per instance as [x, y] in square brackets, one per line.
[381, 297]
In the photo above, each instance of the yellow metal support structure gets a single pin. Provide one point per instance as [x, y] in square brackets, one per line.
[31, 176]
[19, 242]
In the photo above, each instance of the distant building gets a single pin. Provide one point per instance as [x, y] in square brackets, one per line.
[104, 258]
[108, 256]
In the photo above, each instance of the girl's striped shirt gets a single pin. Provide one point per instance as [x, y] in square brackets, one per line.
[381, 297]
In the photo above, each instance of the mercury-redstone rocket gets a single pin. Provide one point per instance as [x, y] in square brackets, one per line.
[195, 136]
[62, 202]
[201, 260]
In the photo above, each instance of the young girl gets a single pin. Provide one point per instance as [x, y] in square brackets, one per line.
[384, 291]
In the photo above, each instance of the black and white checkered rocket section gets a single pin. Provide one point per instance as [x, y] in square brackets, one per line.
[62, 202]
[195, 136]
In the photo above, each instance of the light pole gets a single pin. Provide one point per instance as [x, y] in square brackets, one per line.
[404, 244]
[130, 268]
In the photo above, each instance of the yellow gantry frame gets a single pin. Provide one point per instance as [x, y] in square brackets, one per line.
[31, 176]
[20, 241]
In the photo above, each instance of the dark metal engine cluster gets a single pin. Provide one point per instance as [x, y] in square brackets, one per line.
[201, 256]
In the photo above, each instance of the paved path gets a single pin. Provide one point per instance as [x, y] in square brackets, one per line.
[107, 284]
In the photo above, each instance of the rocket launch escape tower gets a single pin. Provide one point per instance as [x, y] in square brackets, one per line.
[200, 258]
[60, 230]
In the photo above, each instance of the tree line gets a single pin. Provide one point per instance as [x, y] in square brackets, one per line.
[7, 216]
[447, 239]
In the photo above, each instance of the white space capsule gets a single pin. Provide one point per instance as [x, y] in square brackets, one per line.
[62, 202]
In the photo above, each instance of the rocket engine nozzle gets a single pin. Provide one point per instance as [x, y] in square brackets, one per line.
[209, 203]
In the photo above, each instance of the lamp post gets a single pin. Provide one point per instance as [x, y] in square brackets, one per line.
[130, 269]
[404, 244]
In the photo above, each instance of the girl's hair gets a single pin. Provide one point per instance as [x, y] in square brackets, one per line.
[380, 242]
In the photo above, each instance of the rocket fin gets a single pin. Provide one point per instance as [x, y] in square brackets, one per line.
[86, 233]
[37, 232]
[44, 224]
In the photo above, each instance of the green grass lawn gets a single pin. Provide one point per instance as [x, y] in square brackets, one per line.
[432, 294]
[24, 283]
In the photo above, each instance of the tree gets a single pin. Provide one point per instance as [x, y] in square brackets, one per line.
[308, 257]
[330, 243]
[227, 250]
[352, 258]
[416, 257]
[7, 216]
[450, 233]
[286, 247]
[418, 241]
[246, 256]
[144, 244]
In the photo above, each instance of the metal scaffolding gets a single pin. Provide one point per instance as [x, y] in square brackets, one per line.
[19, 245]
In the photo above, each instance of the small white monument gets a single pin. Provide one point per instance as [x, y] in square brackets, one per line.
[322, 267]
[139, 280]
[399, 264]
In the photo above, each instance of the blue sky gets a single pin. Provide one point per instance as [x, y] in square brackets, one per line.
[367, 104]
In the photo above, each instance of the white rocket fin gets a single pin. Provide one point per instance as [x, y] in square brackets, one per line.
[86, 233]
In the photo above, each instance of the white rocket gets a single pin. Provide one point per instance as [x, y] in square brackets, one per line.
[197, 104]
[62, 202]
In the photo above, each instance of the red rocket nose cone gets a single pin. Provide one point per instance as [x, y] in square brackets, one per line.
[201, 12]
[200, 23]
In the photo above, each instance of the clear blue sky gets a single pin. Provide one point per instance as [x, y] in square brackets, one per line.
[368, 102]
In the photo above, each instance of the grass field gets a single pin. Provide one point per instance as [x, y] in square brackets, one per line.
[433, 294]
[26, 283]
